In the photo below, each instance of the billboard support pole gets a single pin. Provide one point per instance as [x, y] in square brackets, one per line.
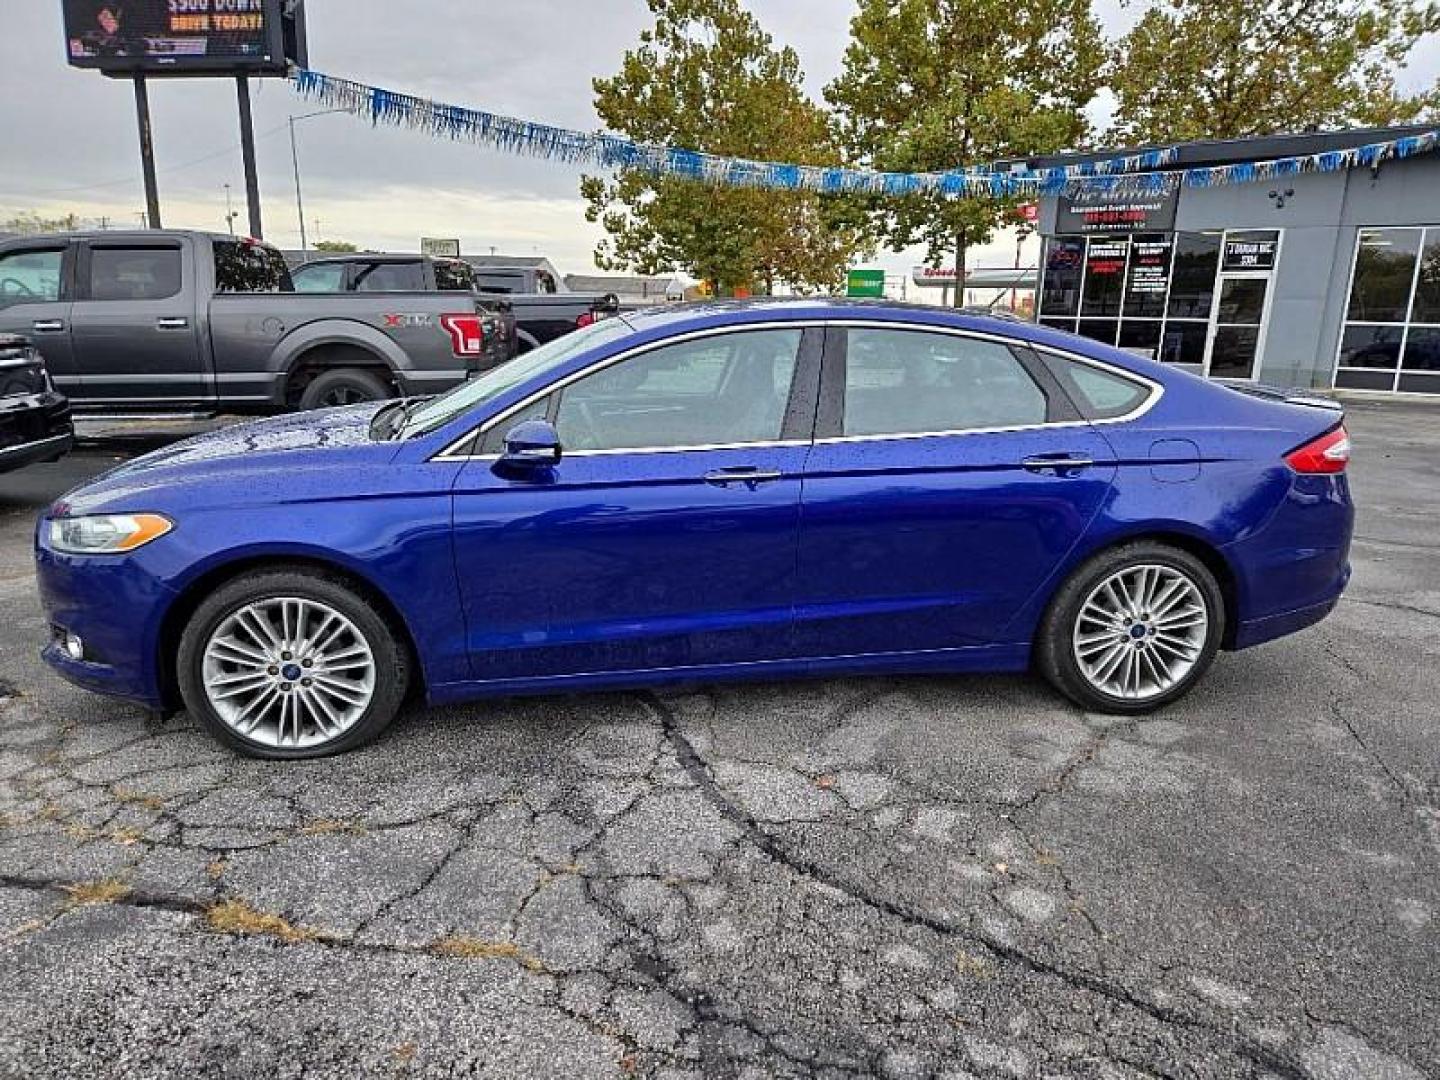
[147, 152]
[247, 152]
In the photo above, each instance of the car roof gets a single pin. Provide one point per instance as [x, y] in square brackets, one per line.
[664, 319]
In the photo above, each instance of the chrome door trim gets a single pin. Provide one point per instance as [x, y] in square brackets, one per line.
[1157, 389]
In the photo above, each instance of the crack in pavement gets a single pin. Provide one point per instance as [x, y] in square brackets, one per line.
[699, 770]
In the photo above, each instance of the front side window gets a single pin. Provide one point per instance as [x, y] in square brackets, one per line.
[390, 277]
[720, 390]
[320, 278]
[30, 277]
[138, 273]
[912, 382]
[244, 266]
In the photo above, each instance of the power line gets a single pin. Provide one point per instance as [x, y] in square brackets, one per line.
[232, 148]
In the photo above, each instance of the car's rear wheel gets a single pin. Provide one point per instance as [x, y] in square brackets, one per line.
[343, 386]
[291, 664]
[1132, 629]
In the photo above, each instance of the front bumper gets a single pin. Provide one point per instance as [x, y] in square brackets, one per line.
[116, 607]
[33, 428]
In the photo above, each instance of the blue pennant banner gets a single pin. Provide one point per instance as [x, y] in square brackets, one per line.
[1129, 173]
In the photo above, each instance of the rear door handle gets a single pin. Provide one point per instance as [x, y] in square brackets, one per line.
[178, 322]
[49, 326]
[748, 475]
[1057, 463]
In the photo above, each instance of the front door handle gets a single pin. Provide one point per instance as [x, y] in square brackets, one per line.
[177, 322]
[48, 326]
[747, 475]
[1057, 463]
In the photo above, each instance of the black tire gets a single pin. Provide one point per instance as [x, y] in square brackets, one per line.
[392, 660]
[343, 386]
[1055, 657]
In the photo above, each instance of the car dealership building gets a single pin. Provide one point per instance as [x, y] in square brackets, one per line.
[1317, 279]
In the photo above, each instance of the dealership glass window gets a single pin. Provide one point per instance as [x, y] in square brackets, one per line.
[1149, 278]
[1192, 275]
[1391, 338]
[1183, 341]
[1064, 262]
[1105, 262]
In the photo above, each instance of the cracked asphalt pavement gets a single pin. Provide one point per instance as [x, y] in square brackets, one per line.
[909, 877]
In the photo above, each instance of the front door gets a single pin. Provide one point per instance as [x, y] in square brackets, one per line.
[35, 302]
[666, 536]
[949, 479]
[1237, 325]
[134, 330]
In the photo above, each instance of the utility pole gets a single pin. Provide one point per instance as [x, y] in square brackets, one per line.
[247, 153]
[229, 212]
[147, 154]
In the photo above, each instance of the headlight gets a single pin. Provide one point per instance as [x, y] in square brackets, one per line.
[106, 534]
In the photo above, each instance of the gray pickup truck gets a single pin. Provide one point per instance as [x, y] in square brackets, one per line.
[190, 322]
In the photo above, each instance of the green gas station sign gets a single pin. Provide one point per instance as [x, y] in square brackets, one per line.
[865, 283]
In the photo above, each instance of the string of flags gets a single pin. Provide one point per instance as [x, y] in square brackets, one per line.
[1145, 171]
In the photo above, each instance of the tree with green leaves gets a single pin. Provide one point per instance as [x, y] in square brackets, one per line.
[707, 77]
[935, 84]
[1220, 69]
[30, 222]
[335, 245]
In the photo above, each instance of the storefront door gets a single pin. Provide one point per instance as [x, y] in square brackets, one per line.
[1238, 321]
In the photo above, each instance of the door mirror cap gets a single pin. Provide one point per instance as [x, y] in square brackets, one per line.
[531, 444]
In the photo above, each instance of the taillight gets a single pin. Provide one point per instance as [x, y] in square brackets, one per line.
[467, 334]
[1330, 453]
[585, 319]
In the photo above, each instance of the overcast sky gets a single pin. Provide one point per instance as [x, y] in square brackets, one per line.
[70, 143]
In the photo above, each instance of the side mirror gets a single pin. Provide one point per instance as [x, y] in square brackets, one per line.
[531, 444]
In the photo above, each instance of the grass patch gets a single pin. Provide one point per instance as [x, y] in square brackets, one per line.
[472, 948]
[328, 826]
[97, 892]
[237, 917]
[135, 798]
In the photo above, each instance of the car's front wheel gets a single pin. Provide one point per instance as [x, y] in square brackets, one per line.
[1132, 629]
[291, 664]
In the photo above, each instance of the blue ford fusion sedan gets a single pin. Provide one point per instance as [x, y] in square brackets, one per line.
[733, 490]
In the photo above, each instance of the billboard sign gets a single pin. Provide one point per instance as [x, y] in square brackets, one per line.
[176, 37]
[1095, 211]
[438, 248]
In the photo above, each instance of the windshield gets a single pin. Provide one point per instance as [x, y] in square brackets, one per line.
[493, 383]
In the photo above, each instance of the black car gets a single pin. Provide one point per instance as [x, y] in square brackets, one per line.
[34, 417]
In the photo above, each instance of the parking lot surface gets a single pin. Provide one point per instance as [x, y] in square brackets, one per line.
[905, 877]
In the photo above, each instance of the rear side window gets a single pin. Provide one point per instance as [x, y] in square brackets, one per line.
[249, 268]
[30, 277]
[1098, 393]
[390, 277]
[138, 273]
[901, 382]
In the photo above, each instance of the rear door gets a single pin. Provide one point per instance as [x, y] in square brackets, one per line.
[36, 289]
[133, 326]
[950, 476]
[665, 538]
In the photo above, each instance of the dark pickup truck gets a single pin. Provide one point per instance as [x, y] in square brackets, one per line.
[34, 417]
[539, 316]
[190, 322]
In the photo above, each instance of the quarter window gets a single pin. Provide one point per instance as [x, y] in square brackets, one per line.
[30, 277]
[720, 390]
[1098, 394]
[912, 382]
[139, 273]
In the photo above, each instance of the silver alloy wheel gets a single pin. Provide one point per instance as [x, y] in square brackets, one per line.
[288, 672]
[1141, 631]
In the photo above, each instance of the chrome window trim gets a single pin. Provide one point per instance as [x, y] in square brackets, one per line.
[1156, 390]
[449, 454]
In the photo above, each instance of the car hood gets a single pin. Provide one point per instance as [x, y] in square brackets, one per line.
[282, 444]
